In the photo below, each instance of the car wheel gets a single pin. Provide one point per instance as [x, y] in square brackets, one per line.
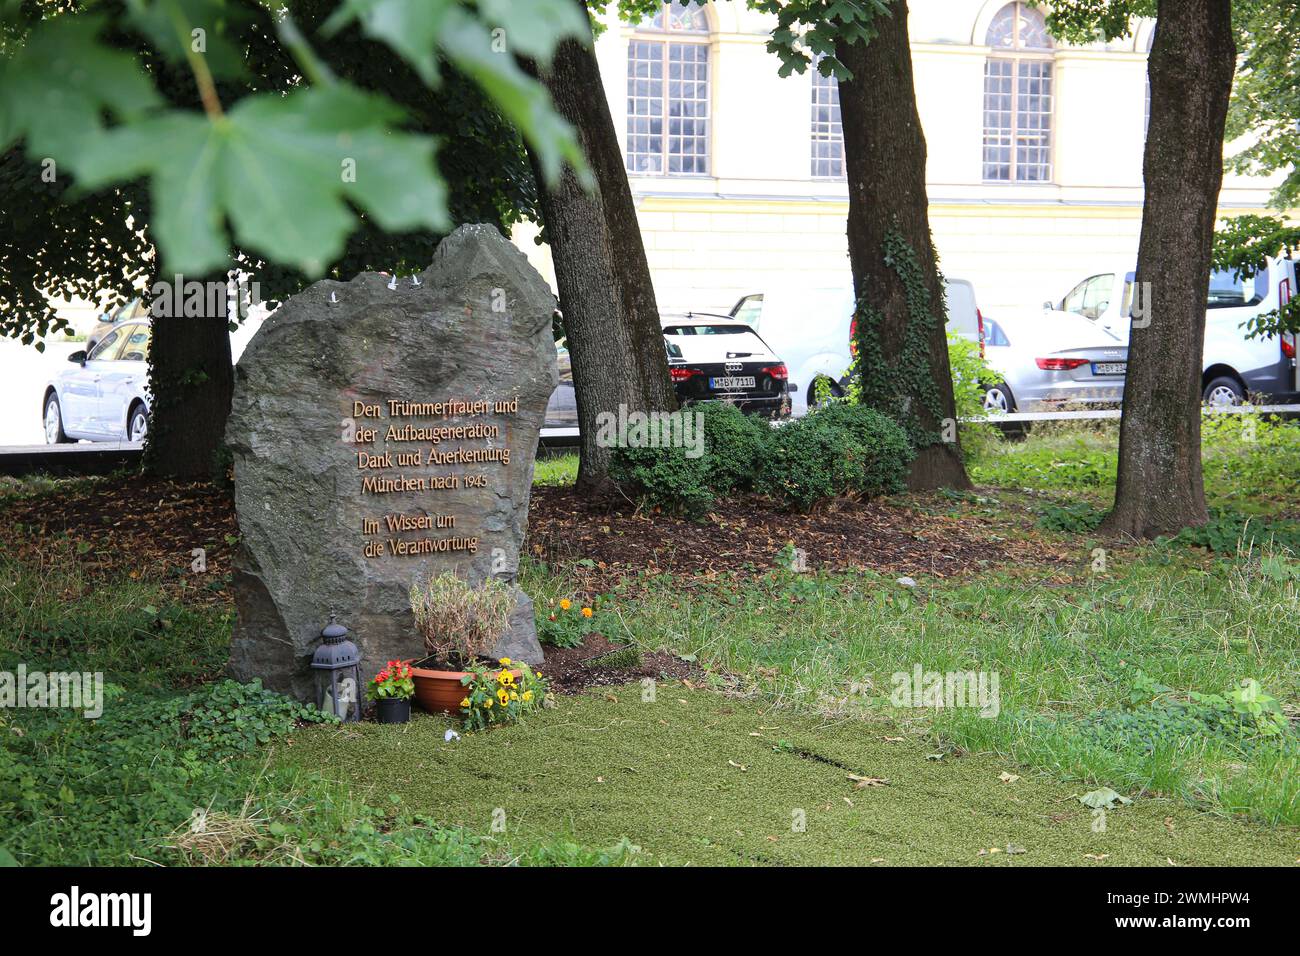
[54, 434]
[998, 399]
[138, 424]
[1223, 392]
[823, 391]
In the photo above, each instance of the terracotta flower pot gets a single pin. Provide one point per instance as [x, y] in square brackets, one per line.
[440, 692]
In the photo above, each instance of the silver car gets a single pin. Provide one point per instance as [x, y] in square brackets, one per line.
[103, 394]
[1049, 361]
[562, 409]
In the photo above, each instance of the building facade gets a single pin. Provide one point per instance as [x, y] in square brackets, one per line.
[1034, 168]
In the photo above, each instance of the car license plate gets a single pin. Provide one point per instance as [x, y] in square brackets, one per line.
[731, 381]
[1109, 368]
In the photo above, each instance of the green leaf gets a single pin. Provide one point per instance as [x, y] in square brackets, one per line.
[415, 28]
[535, 27]
[280, 169]
[170, 24]
[6, 858]
[522, 99]
[1103, 799]
[55, 86]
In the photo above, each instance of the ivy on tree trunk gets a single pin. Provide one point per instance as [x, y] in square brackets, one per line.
[902, 358]
[1159, 488]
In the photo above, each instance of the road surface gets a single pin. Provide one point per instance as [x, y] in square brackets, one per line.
[24, 373]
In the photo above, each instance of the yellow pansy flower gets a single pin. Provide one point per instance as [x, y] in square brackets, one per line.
[505, 662]
[528, 695]
[465, 702]
[502, 695]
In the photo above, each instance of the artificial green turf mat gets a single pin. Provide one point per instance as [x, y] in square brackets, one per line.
[699, 778]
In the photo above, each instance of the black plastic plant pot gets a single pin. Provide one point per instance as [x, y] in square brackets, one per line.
[393, 711]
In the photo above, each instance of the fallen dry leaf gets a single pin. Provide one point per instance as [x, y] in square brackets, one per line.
[738, 766]
[863, 782]
[1008, 777]
[1096, 856]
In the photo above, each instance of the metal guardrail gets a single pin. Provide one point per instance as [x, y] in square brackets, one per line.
[101, 458]
[1019, 418]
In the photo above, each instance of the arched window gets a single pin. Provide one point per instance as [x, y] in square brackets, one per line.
[1018, 97]
[668, 93]
[827, 134]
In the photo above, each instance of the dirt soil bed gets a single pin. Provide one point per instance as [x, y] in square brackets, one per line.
[905, 536]
[569, 670]
[140, 526]
[152, 527]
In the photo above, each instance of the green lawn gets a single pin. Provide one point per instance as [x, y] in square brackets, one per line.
[1167, 672]
[700, 778]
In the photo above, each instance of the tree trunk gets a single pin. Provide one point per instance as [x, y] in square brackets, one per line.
[902, 361]
[611, 319]
[1159, 488]
[190, 381]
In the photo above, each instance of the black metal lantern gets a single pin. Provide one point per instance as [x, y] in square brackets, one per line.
[337, 664]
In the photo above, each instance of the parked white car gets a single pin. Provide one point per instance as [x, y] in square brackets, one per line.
[1234, 366]
[103, 394]
[810, 330]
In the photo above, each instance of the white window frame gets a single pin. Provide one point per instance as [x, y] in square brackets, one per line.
[667, 38]
[825, 95]
[1012, 137]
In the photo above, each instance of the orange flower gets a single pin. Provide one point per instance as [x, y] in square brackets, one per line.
[565, 604]
[586, 612]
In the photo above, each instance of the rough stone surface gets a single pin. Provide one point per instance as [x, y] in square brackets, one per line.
[476, 328]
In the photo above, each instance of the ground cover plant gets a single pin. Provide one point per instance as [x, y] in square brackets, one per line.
[715, 690]
[175, 771]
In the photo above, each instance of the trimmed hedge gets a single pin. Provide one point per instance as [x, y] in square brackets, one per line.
[733, 446]
[839, 448]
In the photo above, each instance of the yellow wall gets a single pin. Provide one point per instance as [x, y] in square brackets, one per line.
[758, 219]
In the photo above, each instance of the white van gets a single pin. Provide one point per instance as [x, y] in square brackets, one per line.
[1233, 365]
[810, 330]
